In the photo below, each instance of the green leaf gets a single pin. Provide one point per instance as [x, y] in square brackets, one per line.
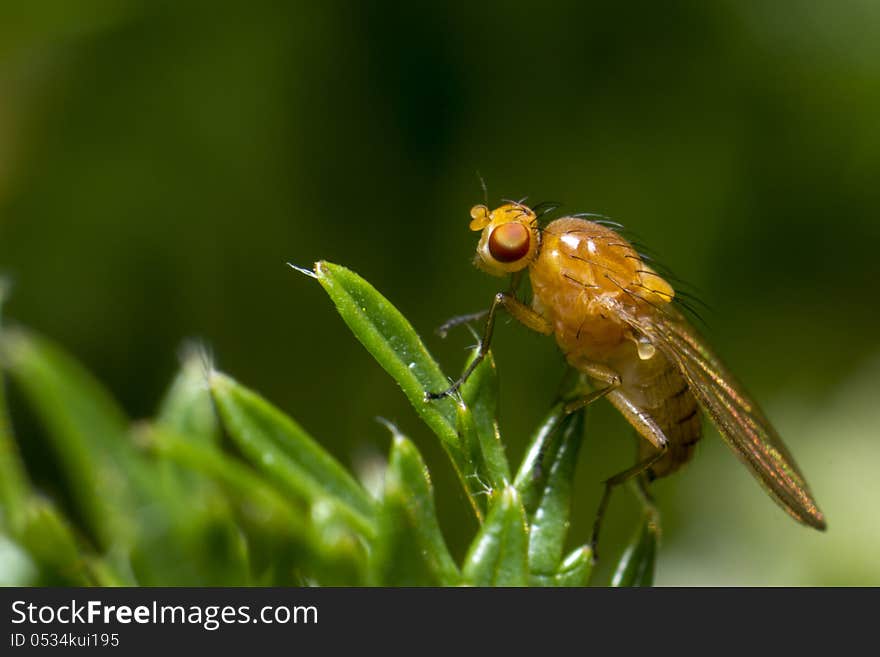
[296, 531]
[545, 480]
[480, 394]
[576, 568]
[14, 482]
[87, 430]
[475, 476]
[17, 568]
[636, 566]
[393, 342]
[498, 555]
[275, 444]
[273, 506]
[410, 550]
[187, 407]
[51, 543]
[530, 477]
[131, 505]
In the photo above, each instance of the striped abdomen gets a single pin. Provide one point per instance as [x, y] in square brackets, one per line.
[658, 388]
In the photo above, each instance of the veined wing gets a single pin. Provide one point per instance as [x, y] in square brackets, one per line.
[738, 418]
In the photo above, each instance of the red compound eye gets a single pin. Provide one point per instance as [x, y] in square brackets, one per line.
[509, 242]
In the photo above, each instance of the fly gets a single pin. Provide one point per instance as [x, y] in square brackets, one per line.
[612, 316]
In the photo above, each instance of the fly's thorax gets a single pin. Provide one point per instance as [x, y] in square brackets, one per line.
[583, 274]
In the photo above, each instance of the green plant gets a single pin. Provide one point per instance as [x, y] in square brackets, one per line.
[168, 502]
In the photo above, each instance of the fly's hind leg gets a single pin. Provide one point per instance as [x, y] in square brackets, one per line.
[637, 470]
[649, 430]
[647, 500]
[520, 312]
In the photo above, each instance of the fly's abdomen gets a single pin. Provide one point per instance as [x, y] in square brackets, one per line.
[663, 394]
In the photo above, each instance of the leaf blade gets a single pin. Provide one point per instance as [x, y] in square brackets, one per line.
[289, 525]
[636, 566]
[392, 341]
[187, 407]
[278, 446]
[576, 569]
[87, 431]
[498, 555]
[551, 507]
[480, 395]
[411, 550]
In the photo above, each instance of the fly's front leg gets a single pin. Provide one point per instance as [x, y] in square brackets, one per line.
[449, 324]
[520, 311]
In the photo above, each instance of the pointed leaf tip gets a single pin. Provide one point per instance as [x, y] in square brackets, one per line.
[303, 270]
[498, 555]
[636, 567]
[410, 549]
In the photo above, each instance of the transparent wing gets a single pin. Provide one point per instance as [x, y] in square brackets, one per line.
[738, 418]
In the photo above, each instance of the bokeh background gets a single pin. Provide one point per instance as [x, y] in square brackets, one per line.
[161, 161]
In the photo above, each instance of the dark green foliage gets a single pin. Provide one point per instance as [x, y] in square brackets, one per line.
[168, 502]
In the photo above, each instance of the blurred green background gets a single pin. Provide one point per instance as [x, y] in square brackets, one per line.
[161, 161]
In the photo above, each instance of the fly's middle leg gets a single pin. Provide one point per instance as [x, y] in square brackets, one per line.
[458, 320]
[519, 311]
[601, 373]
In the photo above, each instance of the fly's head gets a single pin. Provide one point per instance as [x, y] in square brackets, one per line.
[510, 237]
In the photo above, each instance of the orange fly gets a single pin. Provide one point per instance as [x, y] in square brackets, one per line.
[612, 316]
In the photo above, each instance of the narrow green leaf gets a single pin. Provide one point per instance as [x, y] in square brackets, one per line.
[550, 484]
[298, 532]
[275, 444]
[14, 482]
[410, 549]
[480, 394]
[576, 568]
[187, 407]
[103, 573]
[498, 555]
[273, 506]
[50, 541]
[17, 568]
[87, 430]
[530, 477]
[131, 505]
[475, 476]
[636, 566]
[393, 342]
